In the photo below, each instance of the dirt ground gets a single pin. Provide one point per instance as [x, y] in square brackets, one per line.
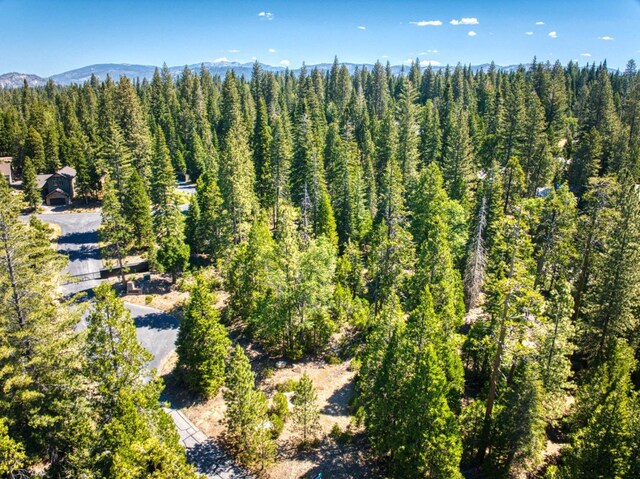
[334, 386]
[158, 293]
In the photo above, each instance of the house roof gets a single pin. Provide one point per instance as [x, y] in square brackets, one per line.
[5, 168]
[67, 171]
[6, 159]
[42, 179]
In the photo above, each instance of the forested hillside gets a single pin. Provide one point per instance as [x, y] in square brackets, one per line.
[473, 239]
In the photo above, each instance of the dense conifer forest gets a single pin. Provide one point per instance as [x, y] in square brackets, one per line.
[472, 237]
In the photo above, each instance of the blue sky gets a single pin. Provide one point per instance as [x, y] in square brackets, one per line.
[46, 37]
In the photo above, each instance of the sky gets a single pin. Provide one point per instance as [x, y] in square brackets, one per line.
[46, 37]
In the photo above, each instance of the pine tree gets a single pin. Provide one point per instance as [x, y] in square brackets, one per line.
[163, 180]
[12, 455]
[535, 159]
[202, 343]
[280, 157]
[603, 442]
[616, 281]
[554, 238]
[430, 141]
[212, 230]
[248, 281]
[408, 136]
[474, 273]
[115, 359]
[133, 434]
[305, 411]
[137, 212]
[34, 149]
[261, 145]
[192, 222]
[115, 158]
[173, 253]
[246, 415]
[114, 231]
[457, 156]
[326, 222]
[414, 376]
[237, 175]
[135, 131]
[32, 194]
[391, 247]
[41, 390]
[511, 301]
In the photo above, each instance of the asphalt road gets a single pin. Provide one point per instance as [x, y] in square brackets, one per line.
[79, 241]
[156, 330]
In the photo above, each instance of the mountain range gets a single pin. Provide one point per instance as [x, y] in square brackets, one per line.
[116, 70]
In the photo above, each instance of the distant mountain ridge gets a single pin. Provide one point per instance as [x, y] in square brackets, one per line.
[116, 70]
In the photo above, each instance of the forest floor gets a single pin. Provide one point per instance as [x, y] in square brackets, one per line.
[343, 458]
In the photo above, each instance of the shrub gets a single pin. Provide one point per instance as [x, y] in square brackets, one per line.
[277, 425]
[280, 406]
[287, 386]
[333, 359]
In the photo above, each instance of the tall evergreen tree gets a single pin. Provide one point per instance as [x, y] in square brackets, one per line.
[246, 414]
[114, 231]
[137, 212]
[41, 387]
[32, 194]
[133, 434]
[237, 175]
[202, 343]
[305, 409]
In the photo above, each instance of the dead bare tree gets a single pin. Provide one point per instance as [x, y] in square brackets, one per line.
[476, 261]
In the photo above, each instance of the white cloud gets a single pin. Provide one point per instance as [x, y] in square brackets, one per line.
[433, 63]
[606, 38]
[472, 33]
[384, 56]
[361, 27]
[272, 50]
[266, 15]
[408, 61]
[585, 54]
[553, 34]
[528, 33]
[427, 23]
[233, 50]
[465, 21]
[285, 63]
[254, 58]
[221, 59]
[539, 23]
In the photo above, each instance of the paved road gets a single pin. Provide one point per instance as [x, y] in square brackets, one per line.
[156, 330]
[79, 241]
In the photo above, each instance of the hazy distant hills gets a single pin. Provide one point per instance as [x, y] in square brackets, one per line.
[116, 70]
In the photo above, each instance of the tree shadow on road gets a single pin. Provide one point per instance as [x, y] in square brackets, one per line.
[79, 237]
[82, 253]
[157, 321]
[211, 459]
